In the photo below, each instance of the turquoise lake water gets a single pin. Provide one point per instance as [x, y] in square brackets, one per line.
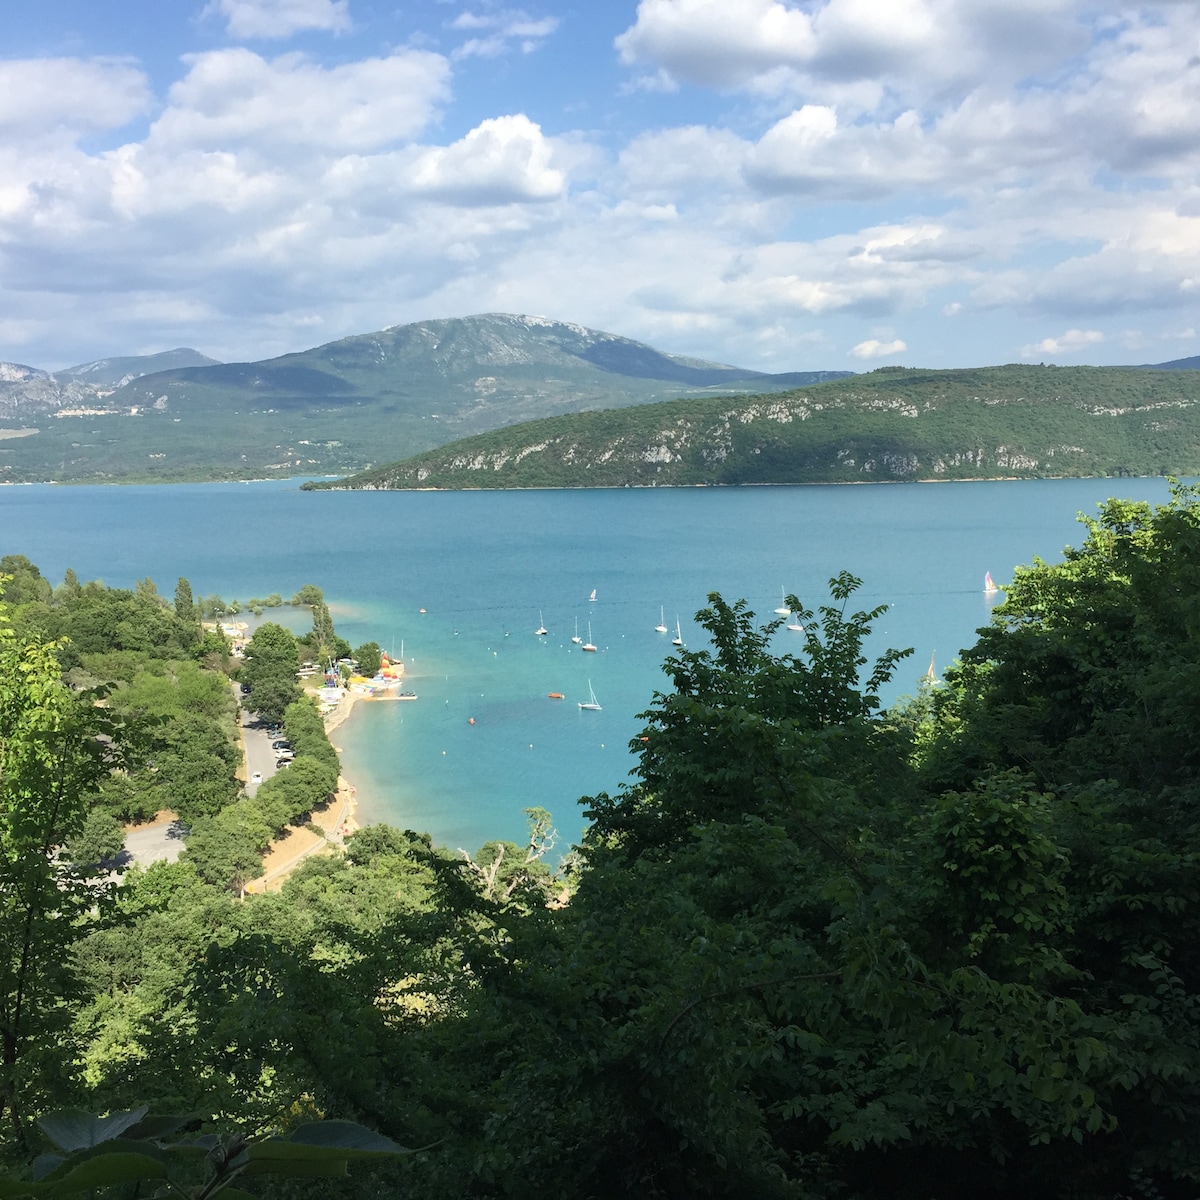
[487, 566]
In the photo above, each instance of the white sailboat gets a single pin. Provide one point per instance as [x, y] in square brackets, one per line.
[591, 703]
[661, 627]
[677, 640]
[588, 644]
[795, 627]
[592, 597]
[577, 639]
[783, 609]
[541, 630]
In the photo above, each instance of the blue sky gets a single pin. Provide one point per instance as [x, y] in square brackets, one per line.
[781, 184]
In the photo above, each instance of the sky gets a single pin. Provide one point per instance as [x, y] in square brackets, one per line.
[783, 185]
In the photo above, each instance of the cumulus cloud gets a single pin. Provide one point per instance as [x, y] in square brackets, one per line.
[494, 33]
[232, 98]
[280, 18]
[1071, 342]
[872, 348]
[502, 160]
[69, 96]
[715, 43]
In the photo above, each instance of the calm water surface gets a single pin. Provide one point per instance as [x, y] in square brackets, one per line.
[487, 566]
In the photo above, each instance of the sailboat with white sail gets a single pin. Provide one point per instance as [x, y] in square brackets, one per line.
[591, 703]
[677, 640]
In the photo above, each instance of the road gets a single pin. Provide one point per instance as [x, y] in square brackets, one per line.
[154, 843]
[259, 755]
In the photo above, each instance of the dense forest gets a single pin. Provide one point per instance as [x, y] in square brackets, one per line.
[895, 423]
[818, 949]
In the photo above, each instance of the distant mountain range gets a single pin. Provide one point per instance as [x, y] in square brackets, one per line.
[338, 407]
[347, 406]
[890, 425]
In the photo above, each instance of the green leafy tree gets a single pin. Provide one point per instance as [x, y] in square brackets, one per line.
[98, 843]
[185, 607]
[51, 764]
[369, 657]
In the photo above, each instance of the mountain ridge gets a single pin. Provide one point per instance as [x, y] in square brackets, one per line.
[893, 424]
[342, 405]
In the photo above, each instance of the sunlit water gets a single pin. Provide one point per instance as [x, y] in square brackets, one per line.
[487, 566]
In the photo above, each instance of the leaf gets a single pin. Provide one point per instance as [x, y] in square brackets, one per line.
[45, 1163]
[10, 1189]
[155, 1127]
[72, 1129]
[102, 1169]
[345, 1136]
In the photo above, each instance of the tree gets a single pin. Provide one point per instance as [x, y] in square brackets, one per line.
[185, 608]
[51, 762]
[98, 843]
[369, 657]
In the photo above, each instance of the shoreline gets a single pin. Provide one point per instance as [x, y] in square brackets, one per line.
[348, 791]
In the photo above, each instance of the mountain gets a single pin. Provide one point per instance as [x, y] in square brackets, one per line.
[892, 424]
[360, 400]
[113, 372]
[1176, 364]
[29, 394]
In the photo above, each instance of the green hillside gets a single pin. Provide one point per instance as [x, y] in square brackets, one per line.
[346, 405]
[893, 424]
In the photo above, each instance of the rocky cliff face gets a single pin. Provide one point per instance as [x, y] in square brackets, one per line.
[27, 394]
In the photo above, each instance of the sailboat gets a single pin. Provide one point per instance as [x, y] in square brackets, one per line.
[591, 703]
[989, 586]
[577, 639]
[541, 630]
[661, 627]
[931, 674]
[783, 609]
[795, 626]
[588, 644]
[677, 640]
[592, 597]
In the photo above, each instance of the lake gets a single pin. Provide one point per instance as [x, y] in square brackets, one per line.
[488, 567]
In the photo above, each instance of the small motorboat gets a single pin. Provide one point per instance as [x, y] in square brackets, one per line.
[556, 695]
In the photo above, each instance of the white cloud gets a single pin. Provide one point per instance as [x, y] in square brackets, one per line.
[232, 98]
[499, 30]
[502, 160]
[876, 349]
[51, 97]
[1071, 342]
[717, 43]
[280, 18]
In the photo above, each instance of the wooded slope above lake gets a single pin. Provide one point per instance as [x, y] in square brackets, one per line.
[1012, 421]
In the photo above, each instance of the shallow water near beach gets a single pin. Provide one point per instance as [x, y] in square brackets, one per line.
[487, 567]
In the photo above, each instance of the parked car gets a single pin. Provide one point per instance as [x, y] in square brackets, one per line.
[284, 756]
[281, 744]
[256, 777]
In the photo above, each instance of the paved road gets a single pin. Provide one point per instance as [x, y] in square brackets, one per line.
[154, 843]
[259, 755]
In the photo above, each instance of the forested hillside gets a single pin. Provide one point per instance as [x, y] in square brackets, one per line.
[893, 424]
[816, 950]
[334, 408]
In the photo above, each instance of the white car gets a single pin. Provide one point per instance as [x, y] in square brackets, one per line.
[256, 777]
